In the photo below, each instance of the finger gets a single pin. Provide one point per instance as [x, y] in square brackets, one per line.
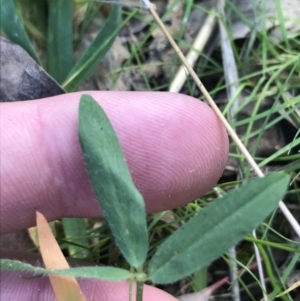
[175, 146]
[14, 287]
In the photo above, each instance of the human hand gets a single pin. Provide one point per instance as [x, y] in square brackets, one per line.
[175, 147]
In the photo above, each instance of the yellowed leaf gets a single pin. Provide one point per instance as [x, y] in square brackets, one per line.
[66, 288]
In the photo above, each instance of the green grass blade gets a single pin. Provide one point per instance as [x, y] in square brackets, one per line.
[122, 204]
[285, 274]
[94, 54]
[282, 23]
[295, 143]
[34, 16]
[60, 39]
[215, 229]
[91, 11]
[75, 231]
[13, 28]
[199, 280]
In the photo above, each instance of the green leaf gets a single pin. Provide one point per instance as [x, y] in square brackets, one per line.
[60, 39]
[97, 50]
[15, 265]
[75, 231]
[216, 228]
[122, 204]
[95, 272]
[13, 28]
[101, 273]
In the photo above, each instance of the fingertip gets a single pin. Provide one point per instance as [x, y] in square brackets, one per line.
[175, 146]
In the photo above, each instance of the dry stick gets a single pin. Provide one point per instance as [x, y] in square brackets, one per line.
[293, 222]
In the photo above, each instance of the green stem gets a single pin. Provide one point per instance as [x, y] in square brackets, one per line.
[140, 280]
[139, 290]
[130, 288]
[273, 244]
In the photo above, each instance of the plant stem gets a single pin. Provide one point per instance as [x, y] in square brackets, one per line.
[130, 287]
[139, 290]
[140, 280]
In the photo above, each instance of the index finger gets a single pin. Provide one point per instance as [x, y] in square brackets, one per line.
[175, 147]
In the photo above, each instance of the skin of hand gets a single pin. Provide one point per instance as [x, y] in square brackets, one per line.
[174, 145]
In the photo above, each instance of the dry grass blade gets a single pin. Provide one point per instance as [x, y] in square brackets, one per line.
[65, 287]
[294, 286]
[193, 54]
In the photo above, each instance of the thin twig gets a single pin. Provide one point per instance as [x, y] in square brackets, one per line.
[293, 222]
